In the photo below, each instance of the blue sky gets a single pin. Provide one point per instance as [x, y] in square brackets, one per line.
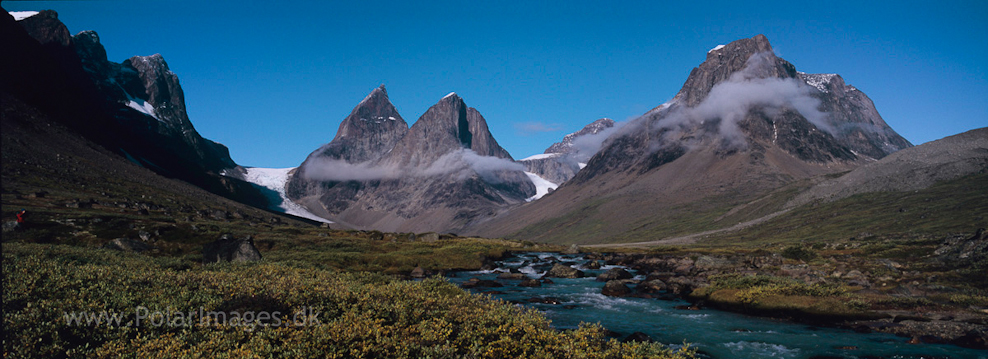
[272, 80]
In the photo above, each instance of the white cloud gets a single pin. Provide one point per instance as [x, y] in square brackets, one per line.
[730, 101]
[326, 169]
[463, 162]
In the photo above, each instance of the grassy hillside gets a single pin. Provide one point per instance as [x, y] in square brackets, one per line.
[958, 206]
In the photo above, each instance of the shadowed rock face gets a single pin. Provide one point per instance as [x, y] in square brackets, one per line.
[47, 29]
[135, 108]
[443, 173]
[229, 249]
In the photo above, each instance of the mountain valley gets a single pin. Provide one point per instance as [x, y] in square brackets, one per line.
[756, 189]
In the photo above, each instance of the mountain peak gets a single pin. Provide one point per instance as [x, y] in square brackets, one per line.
[449, 125]
[370, 131]
[378, 94]
[753, 55]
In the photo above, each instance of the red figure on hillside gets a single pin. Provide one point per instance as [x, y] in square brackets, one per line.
[21, 215]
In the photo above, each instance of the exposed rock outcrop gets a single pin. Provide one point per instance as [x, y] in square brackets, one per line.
[229, 249]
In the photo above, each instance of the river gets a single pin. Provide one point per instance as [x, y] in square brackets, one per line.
[716, 334]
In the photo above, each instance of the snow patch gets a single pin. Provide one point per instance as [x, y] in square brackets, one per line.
[450, 94]
[21, 15]
[581, 164]
[142, 107]
[275, 179]
[718, 47]
[540, 156]
[542, 186]
[820, 81]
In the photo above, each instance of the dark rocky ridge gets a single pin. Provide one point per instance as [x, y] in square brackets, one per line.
[70, 79]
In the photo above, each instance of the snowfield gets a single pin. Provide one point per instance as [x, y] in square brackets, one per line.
[275, 179]
[542, 186]
[21, 15]
[540, 156]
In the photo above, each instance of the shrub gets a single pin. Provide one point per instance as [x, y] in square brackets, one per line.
[798, 252]
[361, 314]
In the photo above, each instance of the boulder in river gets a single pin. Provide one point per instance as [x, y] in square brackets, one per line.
[530, 283]
[512, 276]
[545, 300]
[681, 285]
[652, 286]
[614, 274]
[573, 249]
[564, 271]
[616, 288]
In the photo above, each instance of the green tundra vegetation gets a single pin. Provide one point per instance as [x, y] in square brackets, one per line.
[349, 314]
